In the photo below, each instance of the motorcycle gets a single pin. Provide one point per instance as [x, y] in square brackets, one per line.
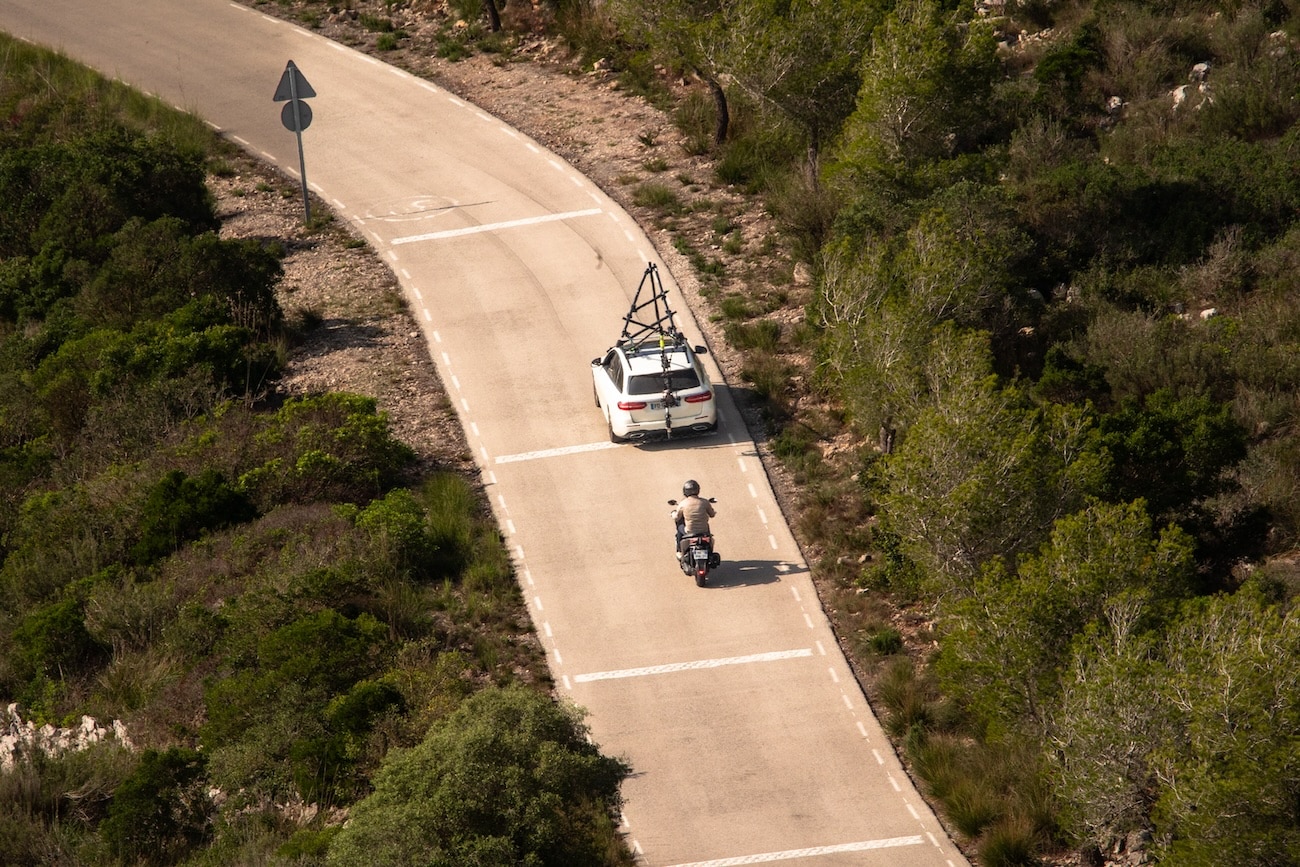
[698, 558]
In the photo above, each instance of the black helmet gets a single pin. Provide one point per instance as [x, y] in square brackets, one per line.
[691, 488]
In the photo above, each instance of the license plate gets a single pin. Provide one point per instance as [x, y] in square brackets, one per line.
[701, 554]
[656, 405]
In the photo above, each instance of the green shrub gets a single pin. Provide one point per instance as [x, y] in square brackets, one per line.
[162, 811]
[179, 508]
[510, 777]
[735, 307]
[659, 197]
[971, 807]
[52, 641]
[762, 336]
[1009, 842]
[376, 23]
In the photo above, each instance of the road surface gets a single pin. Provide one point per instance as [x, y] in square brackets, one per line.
[748, 734]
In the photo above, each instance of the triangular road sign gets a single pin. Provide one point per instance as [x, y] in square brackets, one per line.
[285, 89]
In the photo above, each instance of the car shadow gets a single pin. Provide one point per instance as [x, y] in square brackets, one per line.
[749, 573]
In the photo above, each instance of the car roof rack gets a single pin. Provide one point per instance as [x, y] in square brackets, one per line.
[650, 322]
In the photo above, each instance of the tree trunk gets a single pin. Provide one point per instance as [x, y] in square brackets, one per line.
[494, 17]
[720, 109]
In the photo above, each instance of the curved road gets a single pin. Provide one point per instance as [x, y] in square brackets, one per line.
[749, 737]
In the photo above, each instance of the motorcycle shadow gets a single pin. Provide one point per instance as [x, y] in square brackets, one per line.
[749, 573]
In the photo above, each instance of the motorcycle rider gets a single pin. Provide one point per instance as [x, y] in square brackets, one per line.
[692, 515]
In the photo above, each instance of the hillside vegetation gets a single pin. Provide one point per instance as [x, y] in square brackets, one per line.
[286, 621]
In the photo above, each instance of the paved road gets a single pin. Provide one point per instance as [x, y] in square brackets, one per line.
[749, 737]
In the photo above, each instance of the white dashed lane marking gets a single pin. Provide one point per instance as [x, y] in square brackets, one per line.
[493, 227]
[694, 665]
[791, 854]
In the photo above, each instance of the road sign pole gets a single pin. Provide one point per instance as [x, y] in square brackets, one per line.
[297, 131]
[296, 115]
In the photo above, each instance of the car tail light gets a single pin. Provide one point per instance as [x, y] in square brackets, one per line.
[700, 398]
[631, 404]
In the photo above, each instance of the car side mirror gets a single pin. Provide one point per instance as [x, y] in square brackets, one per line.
[701, 350]
[595, 362]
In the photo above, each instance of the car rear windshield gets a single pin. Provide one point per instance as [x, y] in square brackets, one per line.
[654, 383]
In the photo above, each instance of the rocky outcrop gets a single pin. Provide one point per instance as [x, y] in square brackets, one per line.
[20, 738]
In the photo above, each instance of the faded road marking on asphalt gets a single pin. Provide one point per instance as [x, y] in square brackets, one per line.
[790, 854]
[694, 665]
[493, 227]
[552, 453]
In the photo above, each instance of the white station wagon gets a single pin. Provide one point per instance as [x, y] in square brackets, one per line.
[653, 388]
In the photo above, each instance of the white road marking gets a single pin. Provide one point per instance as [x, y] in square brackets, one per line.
[835, 677]
[879, 759]
[556, 452]
[694, 665]
[437, 338]
[863, 730]
[559, 660]
[501, 498]
[772, 539]
[741, 462]
[808, 620]
[753, 492]
[894, 783]
[510, 527]
[932, 840]
[455, 383]
[546, 627]
[794, 591]
[820, 649]
[418, 296]
[537, 600]
[762, 516]
[567, 685]
[493, 227]
[242, 141]
[446, 359]
[791, 854]
[847, 702]
[406, 274]
[912, 810]
[428, 317]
